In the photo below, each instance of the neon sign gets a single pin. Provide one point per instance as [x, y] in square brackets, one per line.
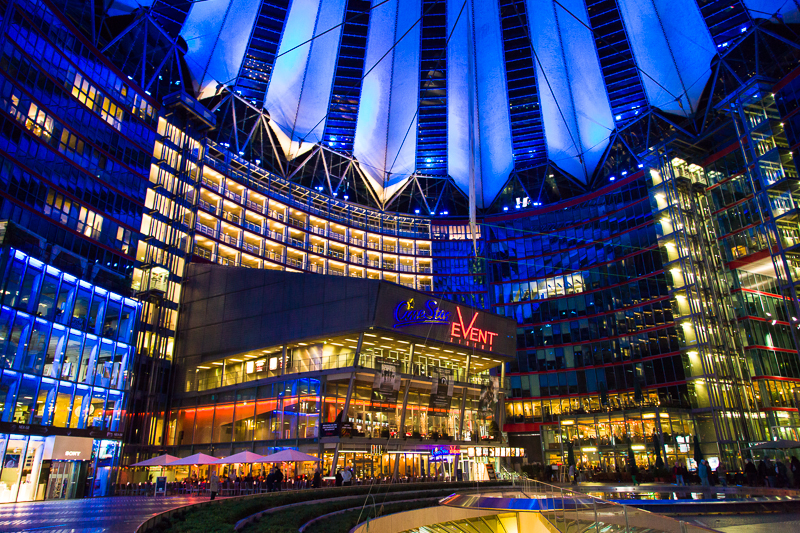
[406, 315]
[471, 333]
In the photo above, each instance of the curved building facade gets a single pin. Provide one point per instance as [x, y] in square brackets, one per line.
[627, 194]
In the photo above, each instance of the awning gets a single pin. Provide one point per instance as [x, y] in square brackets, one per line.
[241, 457]
[290, 456]
[161, 460]
[196, 459]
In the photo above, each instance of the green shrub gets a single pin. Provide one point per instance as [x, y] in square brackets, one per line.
[221, 517]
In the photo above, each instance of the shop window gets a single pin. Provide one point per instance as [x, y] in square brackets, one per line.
[37, 347]
[8, 391]
[184, 426]
[96, 313]
[14, 282]
[47, 299]
[223, 423]
[105, 363]
[72, 357]
[61, 415]
[266, 420]
[120, 369]
[203, 424]
[30, 287]
[114, 409]
[127, 321]
[23, 408]
[244, 421]
[16, 346]
[80, 407]
[12, 463]
[97, 408]
[45, 402]
[81, 309]
[91, 348]
[111, 322]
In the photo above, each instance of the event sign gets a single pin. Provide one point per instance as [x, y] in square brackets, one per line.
[440, 320]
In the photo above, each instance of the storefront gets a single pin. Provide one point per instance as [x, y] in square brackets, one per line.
[601, 439]
[52, 467]
[374, 378]
[66, 347]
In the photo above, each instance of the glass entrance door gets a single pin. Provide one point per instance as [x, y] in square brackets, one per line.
[63, 481]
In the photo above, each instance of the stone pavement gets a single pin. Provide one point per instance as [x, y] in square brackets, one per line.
[119, 514]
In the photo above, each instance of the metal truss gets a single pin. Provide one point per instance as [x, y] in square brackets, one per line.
[145, 45]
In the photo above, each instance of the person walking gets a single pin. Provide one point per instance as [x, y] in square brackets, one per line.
[751, 473]
[678, 471]
[339, 478]
[634, 472]
[278, 479]
[317, 481]
[703, 471]
[347, 477]
[795, 466]
[772, 477]
[213, 484]
[762, 474]
[573, 478]
[722, 474]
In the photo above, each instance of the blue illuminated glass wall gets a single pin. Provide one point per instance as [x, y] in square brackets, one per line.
[65, 348]
[76, 141]
[587, 288]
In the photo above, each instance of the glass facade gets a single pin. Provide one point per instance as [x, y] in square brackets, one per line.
[67, 348]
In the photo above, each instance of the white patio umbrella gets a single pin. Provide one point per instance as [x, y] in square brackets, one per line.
[196, 459]
[241, 457]
[290, 456]
[161, 460]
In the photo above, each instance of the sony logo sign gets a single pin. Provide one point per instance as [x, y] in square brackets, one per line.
[72, 454]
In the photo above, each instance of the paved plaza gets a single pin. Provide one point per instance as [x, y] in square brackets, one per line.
[90, 515]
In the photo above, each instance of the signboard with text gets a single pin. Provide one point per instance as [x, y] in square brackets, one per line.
[440, 320]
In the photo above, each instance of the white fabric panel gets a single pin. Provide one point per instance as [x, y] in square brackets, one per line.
[590, 104]
[790, 10]
[496, 155]
[389, 96]
[458, 93]
[217, 32]
[562, 132]
[369, 145]
[673, 46]
[300, 87]
[401, 147]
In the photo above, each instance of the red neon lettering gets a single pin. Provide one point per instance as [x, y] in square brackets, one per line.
[471, 333]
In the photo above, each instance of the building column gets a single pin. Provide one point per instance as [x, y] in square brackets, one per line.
[501, 411]
[401, 425]
[283, 360]
[346, 407]
[460, 435]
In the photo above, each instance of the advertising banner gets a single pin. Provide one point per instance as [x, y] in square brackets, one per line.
[386, 386]
[388, 377]
[441, 391]
[489, 393]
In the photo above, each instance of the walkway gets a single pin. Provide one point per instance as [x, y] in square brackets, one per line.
[120, 514]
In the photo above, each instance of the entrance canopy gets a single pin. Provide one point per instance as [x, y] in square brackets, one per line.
[196, 459]
[290, 456]
[161, 460]
[241, 457]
